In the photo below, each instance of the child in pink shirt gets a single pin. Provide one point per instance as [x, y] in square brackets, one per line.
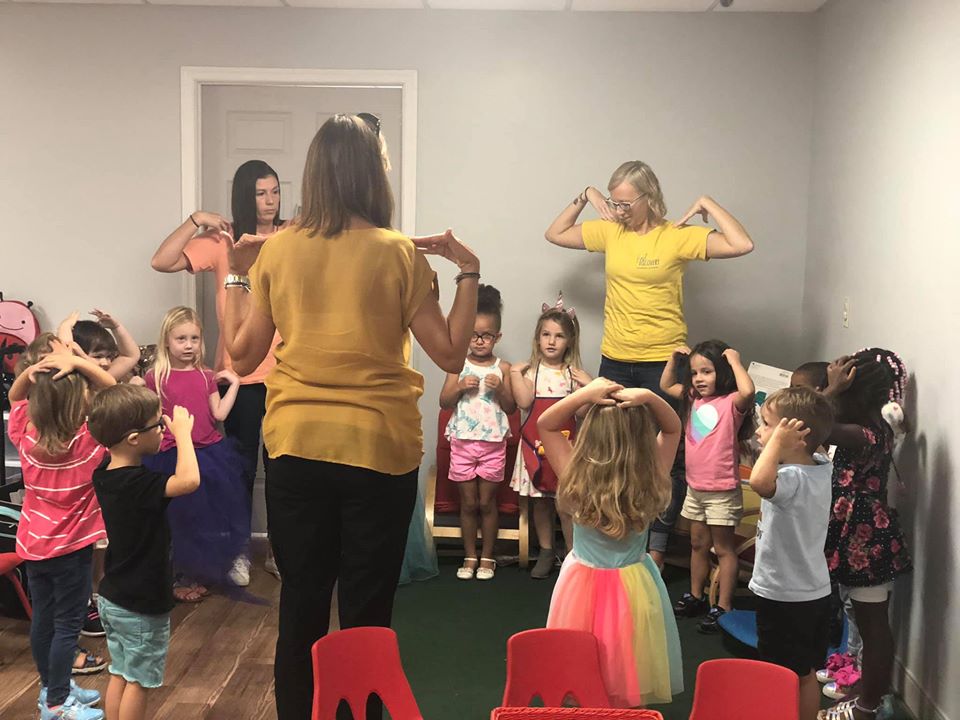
[60, 520]
[716, 405]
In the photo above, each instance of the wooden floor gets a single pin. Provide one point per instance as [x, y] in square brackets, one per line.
[220, 663]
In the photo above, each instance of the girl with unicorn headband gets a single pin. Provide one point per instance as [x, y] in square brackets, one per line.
[553, 372]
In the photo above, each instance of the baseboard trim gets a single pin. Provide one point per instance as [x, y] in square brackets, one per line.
[915, 697]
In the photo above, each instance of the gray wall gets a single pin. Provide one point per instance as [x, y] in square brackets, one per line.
[517, 113]
[883, 232]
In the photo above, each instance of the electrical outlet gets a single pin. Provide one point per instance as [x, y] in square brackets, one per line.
[846, 312]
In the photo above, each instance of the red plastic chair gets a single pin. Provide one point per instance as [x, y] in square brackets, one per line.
[554, 664]
[8, 563]
[573, 714]
[353, 664]
[733, 689]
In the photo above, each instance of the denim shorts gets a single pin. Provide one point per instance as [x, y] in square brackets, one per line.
[137, 643]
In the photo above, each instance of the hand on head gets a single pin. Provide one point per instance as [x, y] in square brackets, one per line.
[791, 434]
[841, 373]
[600, 391]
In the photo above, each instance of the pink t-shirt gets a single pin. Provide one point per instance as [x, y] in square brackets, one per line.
[712, 450]
[192, 389]
[208, 253]
[60, 512]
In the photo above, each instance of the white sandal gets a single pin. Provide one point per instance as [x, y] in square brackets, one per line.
[844, 711]
[466, 573]
[487, 573]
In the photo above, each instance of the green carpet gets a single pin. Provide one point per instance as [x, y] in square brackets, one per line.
[453, 639]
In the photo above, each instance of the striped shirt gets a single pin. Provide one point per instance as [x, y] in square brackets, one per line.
[60, 510]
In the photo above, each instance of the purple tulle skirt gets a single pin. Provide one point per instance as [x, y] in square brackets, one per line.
[210, 527]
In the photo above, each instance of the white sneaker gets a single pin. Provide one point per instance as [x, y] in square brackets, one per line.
[240, 572]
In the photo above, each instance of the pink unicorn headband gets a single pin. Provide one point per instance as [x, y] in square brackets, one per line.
[559, 306]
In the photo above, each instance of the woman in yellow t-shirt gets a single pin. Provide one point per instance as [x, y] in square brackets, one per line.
[342, 426]
[646, 256]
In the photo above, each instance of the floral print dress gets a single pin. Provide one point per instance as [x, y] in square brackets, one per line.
[865, 545]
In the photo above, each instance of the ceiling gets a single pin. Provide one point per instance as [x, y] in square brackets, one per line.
[535, 5]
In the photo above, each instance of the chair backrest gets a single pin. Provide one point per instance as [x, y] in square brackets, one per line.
[553, 664]
[731, 689]
[568, 713]
[353, 664]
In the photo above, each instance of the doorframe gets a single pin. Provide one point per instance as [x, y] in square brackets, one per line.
[193, 78]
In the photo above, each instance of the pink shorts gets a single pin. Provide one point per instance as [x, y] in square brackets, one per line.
[471, 459]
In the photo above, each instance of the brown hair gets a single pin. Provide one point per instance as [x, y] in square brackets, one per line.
[641, 178]
[801, 403]
[614, 482]
[42, 345]
[344, 176]
[119, 410]
[58, 408]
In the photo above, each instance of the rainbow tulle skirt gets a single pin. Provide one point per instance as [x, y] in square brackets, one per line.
[629, 612]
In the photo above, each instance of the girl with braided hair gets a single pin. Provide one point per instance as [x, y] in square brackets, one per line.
[865, 547]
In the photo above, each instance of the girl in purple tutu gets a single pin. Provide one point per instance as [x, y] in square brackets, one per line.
[210, 529]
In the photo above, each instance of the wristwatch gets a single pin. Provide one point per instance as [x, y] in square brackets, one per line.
[233, 280]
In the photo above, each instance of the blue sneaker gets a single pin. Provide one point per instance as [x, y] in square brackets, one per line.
[83, 696]
[70, 710]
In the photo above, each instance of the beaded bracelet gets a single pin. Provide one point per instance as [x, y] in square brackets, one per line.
[465, 275]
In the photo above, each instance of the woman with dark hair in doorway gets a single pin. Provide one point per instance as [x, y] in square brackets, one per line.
[344, 433]
[646, 255]
[200, 245]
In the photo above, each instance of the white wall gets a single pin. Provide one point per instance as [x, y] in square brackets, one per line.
[884, 221]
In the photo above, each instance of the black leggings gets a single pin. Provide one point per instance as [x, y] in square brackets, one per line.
[244, 423]
[332, 523]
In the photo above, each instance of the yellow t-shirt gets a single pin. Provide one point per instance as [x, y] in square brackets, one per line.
[342, 390]
[643, 312]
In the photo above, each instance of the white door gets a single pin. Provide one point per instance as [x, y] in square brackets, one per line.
[276, 124]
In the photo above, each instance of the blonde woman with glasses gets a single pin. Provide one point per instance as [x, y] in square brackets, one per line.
[342, 427]
[646, 256]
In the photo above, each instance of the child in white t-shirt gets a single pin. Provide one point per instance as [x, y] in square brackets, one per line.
[790, 575]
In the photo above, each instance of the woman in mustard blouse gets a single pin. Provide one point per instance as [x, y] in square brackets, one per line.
[342, 426]
[646, 256]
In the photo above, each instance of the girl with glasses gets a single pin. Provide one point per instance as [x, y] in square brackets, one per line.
[481, 399]
[646, 256]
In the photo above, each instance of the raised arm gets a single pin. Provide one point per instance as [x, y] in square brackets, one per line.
[731, 241]
[840, 376]
[186, 477]
[745, 387]
[247, 328]
[446, 339]
[221, 406]
[668, 439]
[565, 231]
[553, 421]
[62, 363]
[128, 351]
[169, 257]
[670, 379]
[789, 435]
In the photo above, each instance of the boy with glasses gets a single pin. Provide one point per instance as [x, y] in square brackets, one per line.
[136, 593]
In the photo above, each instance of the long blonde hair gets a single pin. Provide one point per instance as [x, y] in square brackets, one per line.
[614, 482]
[161, 364]
[641, 178]
[344, 176]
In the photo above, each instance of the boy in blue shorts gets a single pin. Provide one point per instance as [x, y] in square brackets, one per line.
[136, 593]
[790, 575]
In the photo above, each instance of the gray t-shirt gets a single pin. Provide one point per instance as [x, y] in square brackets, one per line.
[790, 565]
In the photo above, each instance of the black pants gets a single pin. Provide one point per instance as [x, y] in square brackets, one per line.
[331, 523]
[647, 375]
[244, 424]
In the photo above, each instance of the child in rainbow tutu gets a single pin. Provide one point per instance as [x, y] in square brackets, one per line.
[613, 482]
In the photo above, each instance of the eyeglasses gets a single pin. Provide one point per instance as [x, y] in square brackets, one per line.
[484, 337]
[622, 206]
[158, 424]
[372, 121]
